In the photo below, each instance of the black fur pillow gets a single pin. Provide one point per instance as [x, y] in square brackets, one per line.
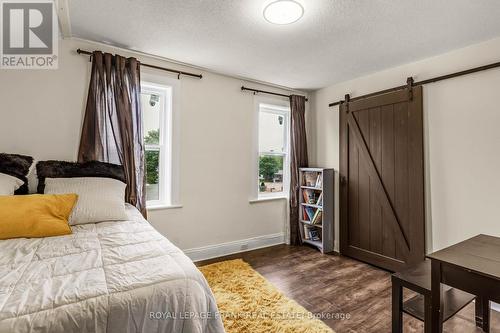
[16, 166]
[62, 169]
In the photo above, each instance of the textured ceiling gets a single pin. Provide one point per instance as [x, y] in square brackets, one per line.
[336, 40]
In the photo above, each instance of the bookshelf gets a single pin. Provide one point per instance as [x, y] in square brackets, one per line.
[316, 207]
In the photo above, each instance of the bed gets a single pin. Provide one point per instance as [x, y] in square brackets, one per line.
[120, 276]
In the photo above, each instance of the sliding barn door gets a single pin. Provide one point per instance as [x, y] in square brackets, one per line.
[382, 179]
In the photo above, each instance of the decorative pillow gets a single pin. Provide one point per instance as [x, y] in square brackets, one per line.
[35, 215]
[99, 199]
[16, 166]
[62, 169]
[9, 184]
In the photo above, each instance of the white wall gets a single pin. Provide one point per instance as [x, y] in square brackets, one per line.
[462, 139]
[41, 113]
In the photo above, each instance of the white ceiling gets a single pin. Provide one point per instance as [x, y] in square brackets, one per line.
[336, 40]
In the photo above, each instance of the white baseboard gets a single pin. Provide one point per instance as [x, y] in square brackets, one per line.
[224, 249]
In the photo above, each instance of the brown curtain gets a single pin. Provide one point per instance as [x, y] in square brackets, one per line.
[112, 128]
[298, 159]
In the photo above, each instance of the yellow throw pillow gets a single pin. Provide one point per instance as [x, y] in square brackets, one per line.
[37, 215]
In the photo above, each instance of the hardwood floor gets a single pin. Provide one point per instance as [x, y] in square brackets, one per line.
[336, 285]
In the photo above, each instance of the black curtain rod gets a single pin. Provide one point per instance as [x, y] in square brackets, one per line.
[266, 92]
[421, 83]
[179, 73]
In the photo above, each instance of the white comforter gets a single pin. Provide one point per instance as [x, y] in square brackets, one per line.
[105, 277]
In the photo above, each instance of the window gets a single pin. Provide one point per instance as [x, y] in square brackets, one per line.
[273, 150]
[156, 102]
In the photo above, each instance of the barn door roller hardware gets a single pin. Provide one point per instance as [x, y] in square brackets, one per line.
[409, 85]
[347, 98]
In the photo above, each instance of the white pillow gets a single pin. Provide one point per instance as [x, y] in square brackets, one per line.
[99, 199]
[9, 184]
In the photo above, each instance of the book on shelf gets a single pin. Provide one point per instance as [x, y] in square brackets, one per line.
[306, 232]
[319, 202]
[319, 181]
[305, 195]
[314, 235]
[304, 215]
[309, 196]
[317, 218]
[310, 213]
[310, 178]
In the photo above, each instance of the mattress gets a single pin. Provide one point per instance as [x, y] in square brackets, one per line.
[105, 277]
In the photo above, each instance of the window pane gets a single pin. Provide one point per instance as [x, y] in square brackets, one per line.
[271, 132]
[151, 107]
[152, 174]
[270, 173]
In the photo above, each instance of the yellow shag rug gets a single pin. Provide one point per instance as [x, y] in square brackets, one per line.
[248, 303]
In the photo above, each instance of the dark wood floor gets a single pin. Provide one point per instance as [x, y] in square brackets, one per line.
[334, 284]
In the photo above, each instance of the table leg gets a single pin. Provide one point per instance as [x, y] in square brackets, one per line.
[437, 301]
[479, 311]
[485, 305]
[427, 313]
[397, 307]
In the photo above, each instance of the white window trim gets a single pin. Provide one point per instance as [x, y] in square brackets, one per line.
[165, 143]
[282, 108]
[163, 207]
[265, 199]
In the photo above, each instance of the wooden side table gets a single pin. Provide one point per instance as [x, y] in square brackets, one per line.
[472, 265]
[418, 279]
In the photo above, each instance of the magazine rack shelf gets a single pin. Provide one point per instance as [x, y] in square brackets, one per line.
[316, 207]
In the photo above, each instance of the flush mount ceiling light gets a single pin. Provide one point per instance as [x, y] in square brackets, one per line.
[283, 12]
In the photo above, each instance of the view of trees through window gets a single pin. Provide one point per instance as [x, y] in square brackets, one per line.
[271, 173]
[152, 158]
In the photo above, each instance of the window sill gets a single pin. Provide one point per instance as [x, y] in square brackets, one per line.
[264, 199]
[162, 207]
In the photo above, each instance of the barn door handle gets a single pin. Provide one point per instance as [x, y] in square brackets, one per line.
[343, 180]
